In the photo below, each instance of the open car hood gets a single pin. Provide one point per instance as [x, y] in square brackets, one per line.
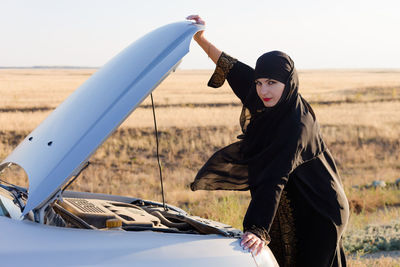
[62, 144]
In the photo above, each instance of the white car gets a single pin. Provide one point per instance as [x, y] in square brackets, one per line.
[97, 229]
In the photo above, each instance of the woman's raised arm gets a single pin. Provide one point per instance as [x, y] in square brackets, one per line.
[212, 52]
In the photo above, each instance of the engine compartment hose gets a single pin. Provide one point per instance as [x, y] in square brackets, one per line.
[165, 221]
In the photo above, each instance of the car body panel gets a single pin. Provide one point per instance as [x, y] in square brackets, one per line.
[26, 243]
[55, 246]
[58, 148]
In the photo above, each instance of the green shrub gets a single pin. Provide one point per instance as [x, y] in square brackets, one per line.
[373, 238]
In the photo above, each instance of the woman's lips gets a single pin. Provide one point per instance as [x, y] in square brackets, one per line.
[266, 99]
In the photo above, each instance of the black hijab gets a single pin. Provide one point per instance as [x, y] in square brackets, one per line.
[276, 139]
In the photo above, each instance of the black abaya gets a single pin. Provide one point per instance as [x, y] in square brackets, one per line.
[297, 199]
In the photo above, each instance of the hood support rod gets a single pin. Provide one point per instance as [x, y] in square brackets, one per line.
[157, 151]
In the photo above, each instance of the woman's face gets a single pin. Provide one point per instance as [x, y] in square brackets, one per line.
[269, 91]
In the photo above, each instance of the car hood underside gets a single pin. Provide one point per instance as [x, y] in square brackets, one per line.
[61, 145]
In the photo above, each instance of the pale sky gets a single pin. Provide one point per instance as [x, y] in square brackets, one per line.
[316, 34]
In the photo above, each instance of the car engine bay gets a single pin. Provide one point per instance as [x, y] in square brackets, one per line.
[139, 216]
[110, 214]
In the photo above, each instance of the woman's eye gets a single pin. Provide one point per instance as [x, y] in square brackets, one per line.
[271, 82]
[258, 83]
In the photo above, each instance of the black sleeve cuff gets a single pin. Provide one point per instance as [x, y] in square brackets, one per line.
[260, 232]
[224, 64]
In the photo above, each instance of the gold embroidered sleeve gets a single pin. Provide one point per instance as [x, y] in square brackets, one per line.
[224, 64]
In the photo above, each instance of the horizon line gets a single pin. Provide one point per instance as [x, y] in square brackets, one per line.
[188, 69]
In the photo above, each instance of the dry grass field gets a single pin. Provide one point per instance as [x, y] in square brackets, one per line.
[359, 113]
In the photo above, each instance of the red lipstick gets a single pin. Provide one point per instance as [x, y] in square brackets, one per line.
[266, 99]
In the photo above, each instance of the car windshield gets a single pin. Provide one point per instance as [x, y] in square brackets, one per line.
[3, 210]
[7, 206]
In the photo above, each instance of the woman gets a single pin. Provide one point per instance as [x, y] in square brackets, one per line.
[298, 207]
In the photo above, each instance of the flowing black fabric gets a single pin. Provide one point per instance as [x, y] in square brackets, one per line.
[279, 143]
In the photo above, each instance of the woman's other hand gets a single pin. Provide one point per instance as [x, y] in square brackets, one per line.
[200, 21]
[252, 242]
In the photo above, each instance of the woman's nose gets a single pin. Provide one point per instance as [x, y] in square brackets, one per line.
[264, 89]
